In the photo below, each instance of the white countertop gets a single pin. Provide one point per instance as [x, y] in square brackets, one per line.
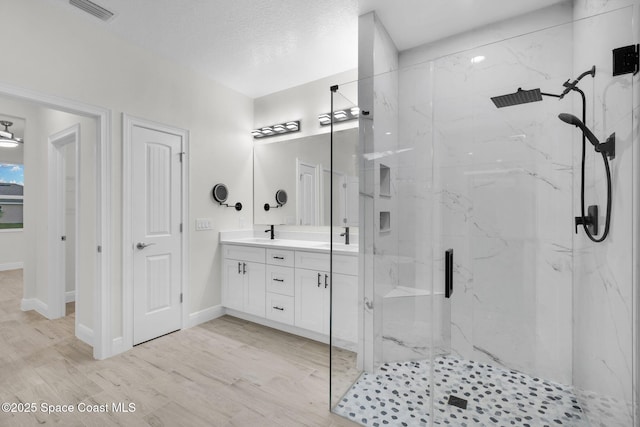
[307, 245]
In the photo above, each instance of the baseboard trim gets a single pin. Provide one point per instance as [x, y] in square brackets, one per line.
[84, 334]
[69, 296]
[28, 304]
[11, 266]
[205, 315]
[117, 346]
[295, 330]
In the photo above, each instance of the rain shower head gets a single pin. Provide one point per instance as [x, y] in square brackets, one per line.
[517, 98]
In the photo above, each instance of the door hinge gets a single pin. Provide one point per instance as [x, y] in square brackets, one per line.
[181, 227]
[182, 153]
[180, 298]
[99, 249]
[63, 238]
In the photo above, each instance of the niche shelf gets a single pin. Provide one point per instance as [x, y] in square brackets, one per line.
[385, 221]
[385, 181]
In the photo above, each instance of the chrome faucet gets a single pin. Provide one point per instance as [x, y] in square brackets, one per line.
[346, 235]
[270, 230]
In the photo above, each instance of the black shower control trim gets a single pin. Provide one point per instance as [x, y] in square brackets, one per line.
[591, 220]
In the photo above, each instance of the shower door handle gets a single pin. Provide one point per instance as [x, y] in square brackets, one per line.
[448, 273]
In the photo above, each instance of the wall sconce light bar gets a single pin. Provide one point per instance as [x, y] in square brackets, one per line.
[279, 129]
[339, 116]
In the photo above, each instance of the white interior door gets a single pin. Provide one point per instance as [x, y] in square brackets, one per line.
[62, 162]
[156, 232]
[307, 194]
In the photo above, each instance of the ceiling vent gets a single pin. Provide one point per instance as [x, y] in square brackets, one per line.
[93, 9]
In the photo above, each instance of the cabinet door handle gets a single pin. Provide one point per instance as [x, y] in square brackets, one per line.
[244, 268]
[278, 280]
[278, 308]
[319, 275]
[326, 277]
[239, 268]
[278, 257]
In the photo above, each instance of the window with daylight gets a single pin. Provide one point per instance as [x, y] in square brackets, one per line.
[11, 195]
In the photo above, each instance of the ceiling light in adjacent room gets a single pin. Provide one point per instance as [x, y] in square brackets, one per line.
[477, 59]
[7, 140]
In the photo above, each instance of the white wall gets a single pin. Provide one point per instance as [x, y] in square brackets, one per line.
[66, 55]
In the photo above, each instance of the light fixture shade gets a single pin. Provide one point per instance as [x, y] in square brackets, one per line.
[279, 128]
[345, 115]
[8, 143]
[340, 115]
[293, 126]
[324, 119]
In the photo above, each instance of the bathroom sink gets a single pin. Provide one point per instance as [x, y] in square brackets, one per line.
[297, 244]
[338, 247]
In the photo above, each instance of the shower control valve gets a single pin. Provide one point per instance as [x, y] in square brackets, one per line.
[591, 220]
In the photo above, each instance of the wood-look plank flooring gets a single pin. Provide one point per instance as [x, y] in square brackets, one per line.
[226, 372]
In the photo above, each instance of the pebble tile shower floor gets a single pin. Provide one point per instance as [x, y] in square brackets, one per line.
[398, 395]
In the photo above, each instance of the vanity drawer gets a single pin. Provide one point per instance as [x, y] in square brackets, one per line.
[312, 260]
[280, 280]
[342, 264]
[280, 308]
[244, 253]
[280, 257]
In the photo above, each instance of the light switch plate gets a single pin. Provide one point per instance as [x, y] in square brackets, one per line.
[204, 224]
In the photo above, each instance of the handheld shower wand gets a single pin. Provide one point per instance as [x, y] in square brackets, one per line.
[607, 149]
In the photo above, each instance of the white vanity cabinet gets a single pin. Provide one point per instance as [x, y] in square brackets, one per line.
[313, 298]
[280, 286]
[243, 282]
[290, 289]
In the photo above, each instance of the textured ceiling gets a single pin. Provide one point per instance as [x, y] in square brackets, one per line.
[257, 47]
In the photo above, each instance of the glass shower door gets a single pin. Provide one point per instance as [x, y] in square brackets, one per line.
[507, 187]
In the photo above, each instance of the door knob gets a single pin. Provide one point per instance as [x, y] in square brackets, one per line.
[142, 245]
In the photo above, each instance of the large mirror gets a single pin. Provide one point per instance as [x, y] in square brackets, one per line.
[301, 167]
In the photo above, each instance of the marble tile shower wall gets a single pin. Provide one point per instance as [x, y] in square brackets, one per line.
[503, 187]
[529, 295]
[603, 279]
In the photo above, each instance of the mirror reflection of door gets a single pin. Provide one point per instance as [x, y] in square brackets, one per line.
[307, 194]
[345, 199]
